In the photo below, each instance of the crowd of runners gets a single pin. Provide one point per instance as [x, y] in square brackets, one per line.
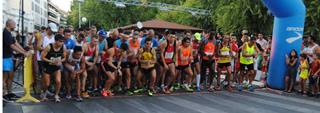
[90, 62]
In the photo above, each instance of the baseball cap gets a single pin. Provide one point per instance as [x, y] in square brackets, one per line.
[197, 36]
[53, 27]
[102, 33]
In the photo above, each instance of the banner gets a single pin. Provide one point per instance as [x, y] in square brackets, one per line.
[289, 17]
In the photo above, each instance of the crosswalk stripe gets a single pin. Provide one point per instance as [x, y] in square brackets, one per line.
[271, 103]
[185, 103]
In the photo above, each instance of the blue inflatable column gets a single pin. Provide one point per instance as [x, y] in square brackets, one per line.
[289, 16]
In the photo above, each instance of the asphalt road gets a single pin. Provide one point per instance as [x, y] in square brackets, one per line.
[217, 102]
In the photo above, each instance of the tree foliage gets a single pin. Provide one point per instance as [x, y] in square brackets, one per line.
[225, 15]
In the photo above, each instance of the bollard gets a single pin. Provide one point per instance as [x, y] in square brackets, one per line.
[27, 81]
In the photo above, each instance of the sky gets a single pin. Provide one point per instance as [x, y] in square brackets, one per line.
[63, 4]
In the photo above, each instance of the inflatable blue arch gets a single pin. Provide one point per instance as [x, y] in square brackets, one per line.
[289, 17]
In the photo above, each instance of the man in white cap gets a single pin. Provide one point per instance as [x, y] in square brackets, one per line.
[48, 39]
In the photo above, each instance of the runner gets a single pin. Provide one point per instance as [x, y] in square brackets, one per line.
[151, 35]
[185, 58]
[207, 51]
[113, 36]
[52, 57]
[42, 44]
[168, 55]
[224, 62]
[147, 58]
[79, 41]
[102, 50]
[234, 60]
[196, 60]
[91, 53]
[249, 51]
[68, 42]
[134, 45]
[111, 65]
[73, 70]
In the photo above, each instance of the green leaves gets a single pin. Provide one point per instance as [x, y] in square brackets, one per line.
[225, 16]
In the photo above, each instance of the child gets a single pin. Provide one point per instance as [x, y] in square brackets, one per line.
[314, 75]
[291, 61]
[304, 72]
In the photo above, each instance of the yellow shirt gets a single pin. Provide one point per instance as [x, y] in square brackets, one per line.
[249, 51]
[225, 50]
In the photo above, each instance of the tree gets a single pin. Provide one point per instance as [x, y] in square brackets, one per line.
[225, 15]
[312, 22]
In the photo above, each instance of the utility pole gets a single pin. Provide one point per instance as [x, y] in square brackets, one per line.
[79, 12]
[22, 24]
[79, 15]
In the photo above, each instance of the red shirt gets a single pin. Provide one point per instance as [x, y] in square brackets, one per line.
[234, 47]
[315, 67]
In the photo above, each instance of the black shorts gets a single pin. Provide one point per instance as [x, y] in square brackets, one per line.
[222, 65]
[125, 65]
[181, 68]
[162, 64]
[196, 59]
[312, 80]
[50, 69]
[109, 68]
[40, 67]
[243, 67]
[132, 65]
[147, 71]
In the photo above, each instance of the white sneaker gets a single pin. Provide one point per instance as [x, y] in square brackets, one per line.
[43, 96]
[57, 99]
[69, 97]
[79, 99]
[49, 93]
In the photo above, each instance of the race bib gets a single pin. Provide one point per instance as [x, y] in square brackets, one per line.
[88, 58]
[249, 58]
[99, 59]
[55, 59]
[234, 53]
[169, 55]
[225, 53]
[208, 53]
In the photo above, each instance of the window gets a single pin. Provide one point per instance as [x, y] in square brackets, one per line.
[32, 6]
[37, 9]
[38, 1]
[45, 5]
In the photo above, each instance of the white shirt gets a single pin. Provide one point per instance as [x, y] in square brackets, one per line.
[310, 50]
[263, 43]
[46, 41]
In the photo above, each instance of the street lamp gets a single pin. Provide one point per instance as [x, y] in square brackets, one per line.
[79, 12]
[84, 19]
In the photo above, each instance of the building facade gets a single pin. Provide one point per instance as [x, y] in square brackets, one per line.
[63, 18]
[12, 10]
[40, 13]
[53, 13]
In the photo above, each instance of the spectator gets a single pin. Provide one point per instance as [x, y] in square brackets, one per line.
[290, 77]
[10, 44]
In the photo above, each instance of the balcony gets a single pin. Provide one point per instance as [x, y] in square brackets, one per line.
[54, 20]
